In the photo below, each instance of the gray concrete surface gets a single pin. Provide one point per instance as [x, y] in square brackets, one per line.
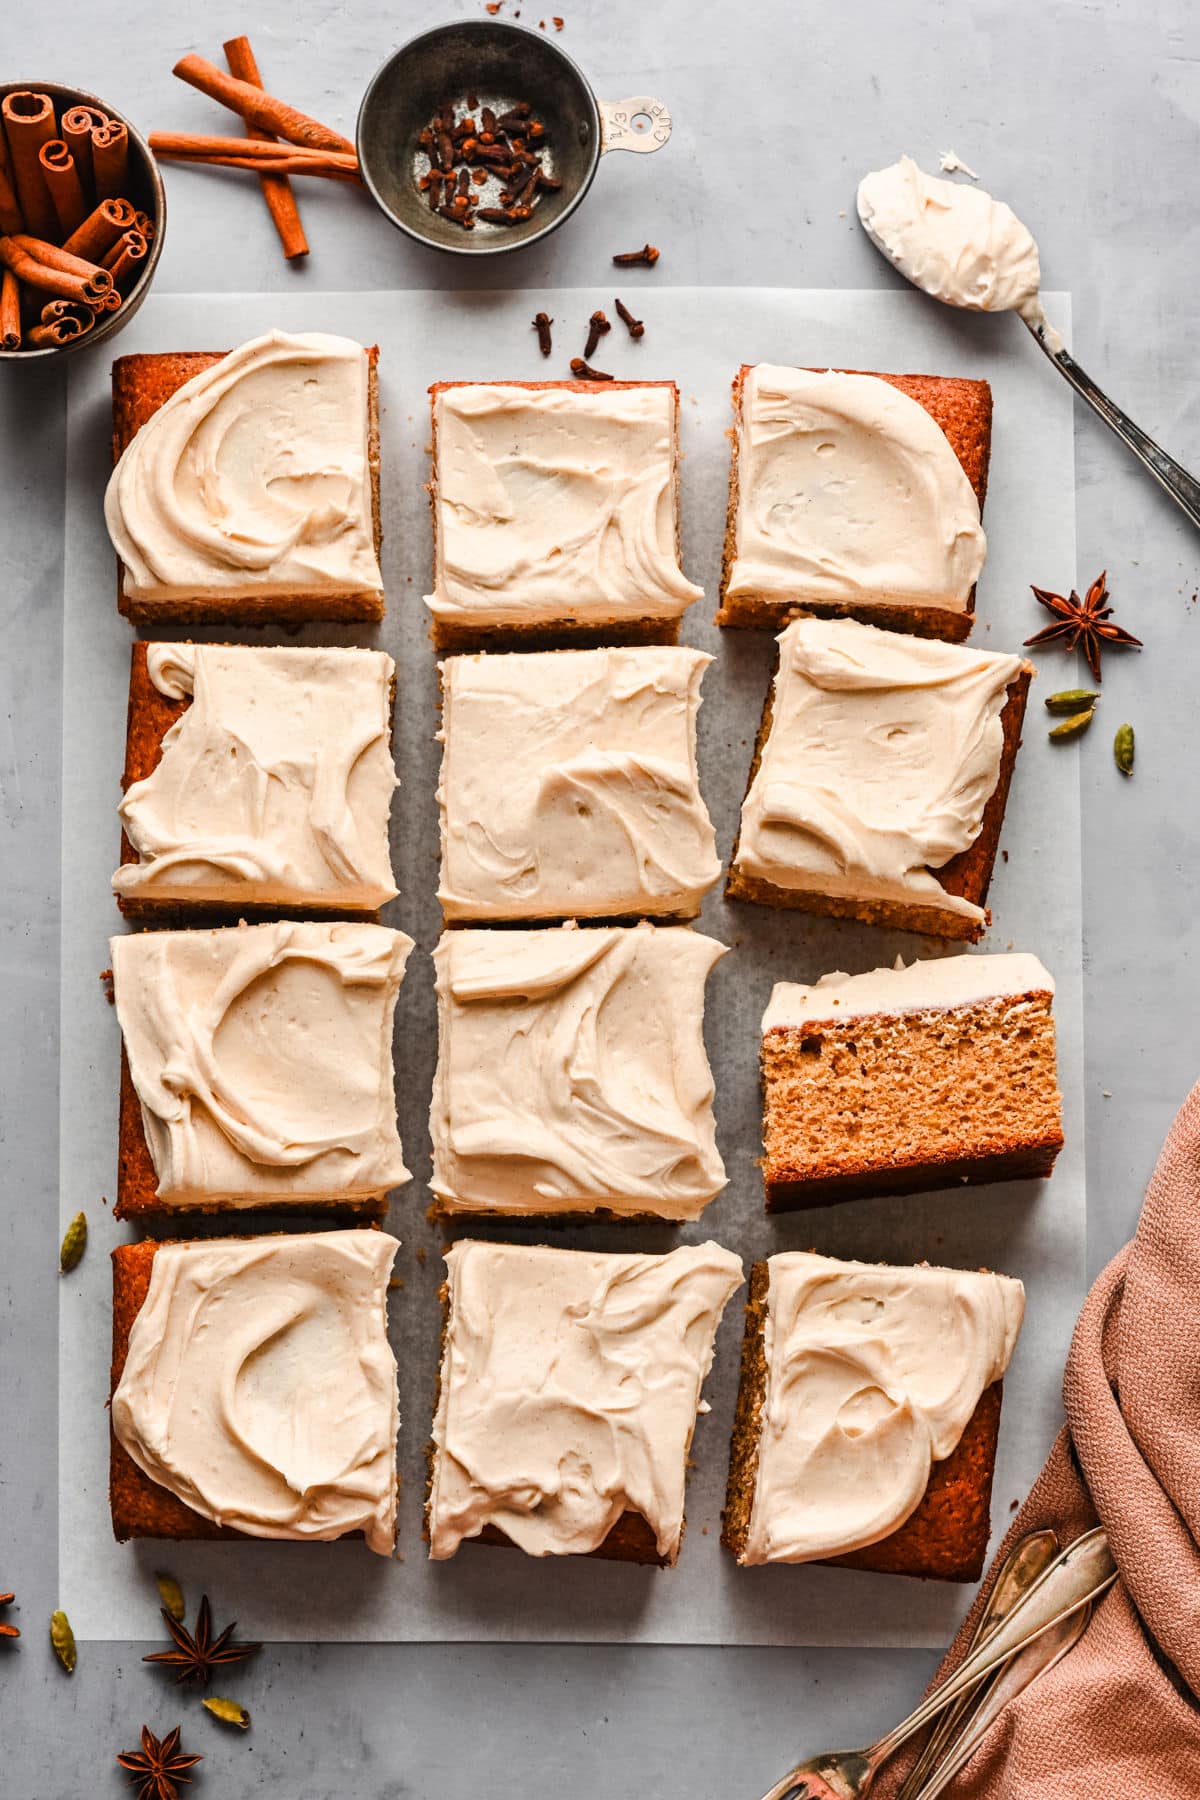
[1086, 116]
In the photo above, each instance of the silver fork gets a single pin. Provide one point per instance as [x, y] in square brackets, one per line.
[1078, 1576]
[1024, 1563]
[1183, 488]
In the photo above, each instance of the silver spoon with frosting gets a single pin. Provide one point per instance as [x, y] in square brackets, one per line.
[955, 242]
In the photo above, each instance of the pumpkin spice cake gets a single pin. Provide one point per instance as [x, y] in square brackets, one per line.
[253, 1389]
[569, 786]
[569, 1389]
[571, 1074]
[246, 486]
[556, 513]
[856, 495]
[911, 1078]
[868, 1415]
[257, 1068]
[880, 778]
[256, 777]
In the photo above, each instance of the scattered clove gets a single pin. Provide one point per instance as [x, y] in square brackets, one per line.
[582, 371]
[636, 327]
[598, 327]
[647, 254]
[541, 324]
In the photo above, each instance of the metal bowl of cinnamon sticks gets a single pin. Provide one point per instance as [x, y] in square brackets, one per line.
[82, 213]
[480, 136]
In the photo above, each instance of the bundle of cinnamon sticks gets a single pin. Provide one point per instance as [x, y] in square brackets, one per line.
[308, 147]
[71, 246]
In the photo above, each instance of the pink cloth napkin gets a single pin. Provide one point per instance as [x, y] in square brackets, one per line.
[1120, 1715]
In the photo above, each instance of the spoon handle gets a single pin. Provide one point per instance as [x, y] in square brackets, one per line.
[1026, 1667]
[1081, 1574]
[1171, 476]
[1028, 1559]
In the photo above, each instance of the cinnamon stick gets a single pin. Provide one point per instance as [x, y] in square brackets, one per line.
[10, 311]
[61, 321]
[76, 127]
[110, 158]
[276, 189]
[263, 156]
[100, 230]
[270, 114]
[10, 211]
[124, 260]
[29, 123]
[63, 185]
[54, 271]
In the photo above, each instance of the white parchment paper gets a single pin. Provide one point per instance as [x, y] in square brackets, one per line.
[1035, 1231]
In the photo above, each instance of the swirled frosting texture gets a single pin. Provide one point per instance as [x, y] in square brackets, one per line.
[952, 240]
[569, 785]
[931, 984]
[849, 493]
[569, 1391]
[872, 1374]
[252, 479]
[571, 1072]
[554, 504]
[262, 1058]
[273, 786]
[882, 755]
[259, 1386]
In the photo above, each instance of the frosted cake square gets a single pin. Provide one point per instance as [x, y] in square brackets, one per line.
[570, 1384]
[571, 1074]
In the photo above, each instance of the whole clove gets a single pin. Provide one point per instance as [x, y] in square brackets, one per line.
[583, 371]
[598, 327]
[635, 326]
[541, 324]
[647, 254]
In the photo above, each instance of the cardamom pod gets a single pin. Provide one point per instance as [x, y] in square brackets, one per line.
[74, 1243]
[1123, 749]
[171, 1595]
[1071, 700]
[228, 1710]
[1072, 727]
[62, 1640]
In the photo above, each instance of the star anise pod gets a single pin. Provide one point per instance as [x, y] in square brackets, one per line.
[6, 1630]
[198, 1652]
[159, 1766]
[1086, 622]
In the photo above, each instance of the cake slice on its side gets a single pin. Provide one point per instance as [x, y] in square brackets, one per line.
[880, 778]
[907, 1079]
[571, 1075]
[569, 786]
[256, 777]
[555, 514]
[257, 1068]
[296, 1328]
[856, 495]
[246, 489]
[868, 1415]
[568, 1393]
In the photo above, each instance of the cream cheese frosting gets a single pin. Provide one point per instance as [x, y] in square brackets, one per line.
[273, 786]
[872, 1375]
[882, 754]
[569, 1392]
[262, 1059]
[934, 984]
[253, 479]
[849, 493]
[953, 241]
[553, 505]
[571, 1072]
[259, 1387]
[569, 785]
